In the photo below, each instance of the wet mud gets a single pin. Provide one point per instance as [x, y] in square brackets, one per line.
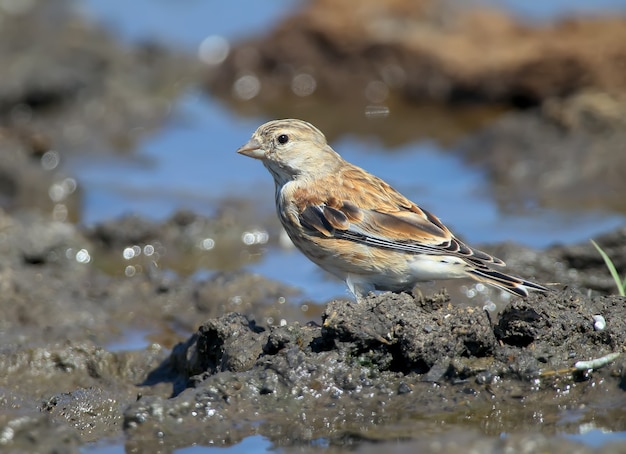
[394, 361]
[386, 369]
[225, 354]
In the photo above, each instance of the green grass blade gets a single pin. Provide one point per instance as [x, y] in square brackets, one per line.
[621, 287]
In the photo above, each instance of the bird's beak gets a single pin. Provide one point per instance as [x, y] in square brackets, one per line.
[252, 149]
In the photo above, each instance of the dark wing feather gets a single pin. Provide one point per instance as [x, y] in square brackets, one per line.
[367, 210]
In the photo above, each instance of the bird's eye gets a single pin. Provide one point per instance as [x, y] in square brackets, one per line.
[283, 139]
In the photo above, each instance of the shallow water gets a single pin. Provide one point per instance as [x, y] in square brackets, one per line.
[254, 443]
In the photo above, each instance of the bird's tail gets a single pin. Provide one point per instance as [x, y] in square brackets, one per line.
[515, 285]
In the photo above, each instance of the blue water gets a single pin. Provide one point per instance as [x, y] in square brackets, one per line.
[596, 438]
[185, 23]
[254, 443]
[559, 8]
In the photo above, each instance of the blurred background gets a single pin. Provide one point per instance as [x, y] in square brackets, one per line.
[127, 218]
[505, 118]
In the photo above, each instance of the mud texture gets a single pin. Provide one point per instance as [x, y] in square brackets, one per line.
[148, 353]
[393, 361]
[393, 367]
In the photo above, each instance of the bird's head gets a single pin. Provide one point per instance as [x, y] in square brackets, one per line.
[292, 149]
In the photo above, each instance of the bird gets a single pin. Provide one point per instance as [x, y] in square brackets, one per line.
[356, 226]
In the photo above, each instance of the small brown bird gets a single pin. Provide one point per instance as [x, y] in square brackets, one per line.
[356, 226]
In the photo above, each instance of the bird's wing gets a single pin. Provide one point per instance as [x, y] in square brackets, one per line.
[362, 208]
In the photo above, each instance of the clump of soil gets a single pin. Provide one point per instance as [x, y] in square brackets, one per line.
[386, 360]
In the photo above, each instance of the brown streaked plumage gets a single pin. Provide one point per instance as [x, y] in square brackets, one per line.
[356, 226]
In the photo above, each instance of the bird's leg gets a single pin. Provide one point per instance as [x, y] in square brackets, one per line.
[358, 287]
[417, 294]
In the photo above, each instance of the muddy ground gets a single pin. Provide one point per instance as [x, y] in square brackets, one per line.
[229, 354]
[394, 367]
